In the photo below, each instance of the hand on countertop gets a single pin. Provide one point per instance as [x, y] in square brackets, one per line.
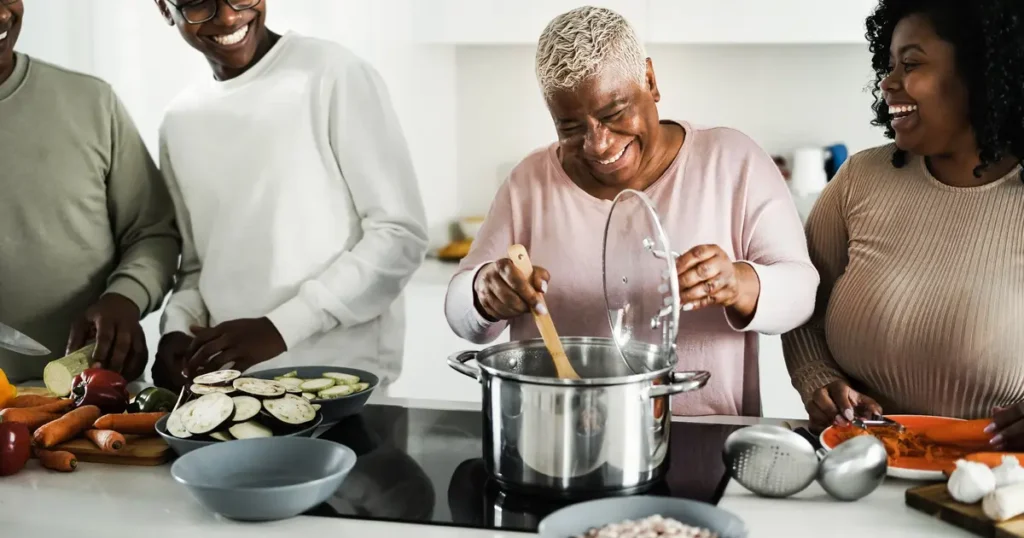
[113, 322]
[707, 276]
[241, 342]
[836, 404]
[501, 291]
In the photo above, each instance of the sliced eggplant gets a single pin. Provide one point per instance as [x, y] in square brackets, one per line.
[309, 396]
[174, 424]
[290, 409]
[219, 377]
[208, 413]
[246, 407]
[263, 388]
[293, 373]
[341, 378]
[317, 385]
[203, 390]
[316, 407]
[360, 387]
[222, 436]
[250, 430]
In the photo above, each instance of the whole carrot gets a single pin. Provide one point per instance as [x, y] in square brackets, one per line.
[66, 427]
[57, 460]
[60, 406]
[106, 440]
[31, 418]
[130, 423]
[31, 400]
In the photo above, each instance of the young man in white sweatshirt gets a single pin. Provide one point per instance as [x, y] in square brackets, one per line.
[296, 198]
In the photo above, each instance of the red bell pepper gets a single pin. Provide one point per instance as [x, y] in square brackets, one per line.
[105, 389]
[15, 447]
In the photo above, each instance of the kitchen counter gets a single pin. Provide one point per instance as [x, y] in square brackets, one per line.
[113, 501]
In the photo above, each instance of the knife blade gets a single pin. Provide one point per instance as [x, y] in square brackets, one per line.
[19, 343]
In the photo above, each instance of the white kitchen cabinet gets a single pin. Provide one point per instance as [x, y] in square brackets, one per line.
[505, 22]
[758, 21]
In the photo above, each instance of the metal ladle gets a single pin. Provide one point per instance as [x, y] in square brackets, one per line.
[772, 461]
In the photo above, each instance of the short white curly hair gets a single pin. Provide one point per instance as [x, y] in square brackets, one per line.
[585, 42]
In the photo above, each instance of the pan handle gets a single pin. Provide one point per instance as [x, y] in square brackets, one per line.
[458, 362]
[680, 382]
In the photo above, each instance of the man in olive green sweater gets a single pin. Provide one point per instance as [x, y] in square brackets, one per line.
[88, 244]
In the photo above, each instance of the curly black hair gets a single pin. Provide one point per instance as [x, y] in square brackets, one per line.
[988, 36]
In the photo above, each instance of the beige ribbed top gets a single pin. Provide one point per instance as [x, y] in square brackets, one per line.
[921, 303]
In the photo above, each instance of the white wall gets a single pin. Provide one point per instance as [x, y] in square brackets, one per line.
[784, 96]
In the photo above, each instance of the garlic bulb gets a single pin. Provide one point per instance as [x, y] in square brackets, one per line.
[970, 482]
[1004, 503]
[1009, 472]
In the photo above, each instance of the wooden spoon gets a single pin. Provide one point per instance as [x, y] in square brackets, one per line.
[564, 370]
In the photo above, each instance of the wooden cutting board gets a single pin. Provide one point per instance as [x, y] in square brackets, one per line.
[142, 451]
[934, 499]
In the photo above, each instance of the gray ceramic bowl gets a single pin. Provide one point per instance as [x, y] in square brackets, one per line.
[338, 408]
[264, 479]
[577, 519]
[184, 446]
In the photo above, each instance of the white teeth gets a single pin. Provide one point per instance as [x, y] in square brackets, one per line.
[902, 109]
[232, 39]
[617, 157]
[3, 36]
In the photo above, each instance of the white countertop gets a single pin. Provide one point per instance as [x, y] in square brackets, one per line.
[111, 501]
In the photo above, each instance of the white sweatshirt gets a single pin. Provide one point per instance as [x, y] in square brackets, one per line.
[297, 200]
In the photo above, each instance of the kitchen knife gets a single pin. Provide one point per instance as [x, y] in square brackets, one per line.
[19, 343]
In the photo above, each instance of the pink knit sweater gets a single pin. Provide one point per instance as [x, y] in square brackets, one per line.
[721, 189]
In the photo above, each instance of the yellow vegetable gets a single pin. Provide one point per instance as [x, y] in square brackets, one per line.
[7, 391]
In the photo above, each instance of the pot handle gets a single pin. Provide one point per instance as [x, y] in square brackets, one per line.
[458, 362]
[680, 382]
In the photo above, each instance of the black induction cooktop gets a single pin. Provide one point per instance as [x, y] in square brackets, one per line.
[424, 466]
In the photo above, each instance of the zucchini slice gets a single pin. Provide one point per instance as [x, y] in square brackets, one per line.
[263, 388]
[341, 378]
[246, 407]
[208, 413]
[360, 387]
[293, 373]
[309, 396]
[290, 382]
[250, 430]
[291, 409]
[337, 391]
[317, 385]
[219, 377]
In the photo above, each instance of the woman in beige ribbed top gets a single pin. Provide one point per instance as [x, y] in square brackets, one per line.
[921, 303]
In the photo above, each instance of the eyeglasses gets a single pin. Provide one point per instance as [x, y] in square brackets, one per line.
[200, 11]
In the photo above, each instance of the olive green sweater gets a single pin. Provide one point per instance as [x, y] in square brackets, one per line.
[83, 209]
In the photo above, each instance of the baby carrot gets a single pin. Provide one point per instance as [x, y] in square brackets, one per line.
[106, 440]
[130, 423]
[57, 460]
[31, 400]
[66, 427]
[60, 406]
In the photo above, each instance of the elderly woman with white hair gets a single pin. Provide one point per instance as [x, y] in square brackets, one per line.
[721, 199]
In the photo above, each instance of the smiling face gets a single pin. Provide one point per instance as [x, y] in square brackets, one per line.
[608, 127]
[926, 96]
[231, 41]
[10, 28]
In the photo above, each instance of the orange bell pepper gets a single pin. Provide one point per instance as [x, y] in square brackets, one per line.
[7, 391]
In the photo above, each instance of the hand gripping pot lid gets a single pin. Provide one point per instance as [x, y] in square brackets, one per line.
[640, 287]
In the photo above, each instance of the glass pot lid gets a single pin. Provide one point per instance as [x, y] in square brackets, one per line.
[641, 289]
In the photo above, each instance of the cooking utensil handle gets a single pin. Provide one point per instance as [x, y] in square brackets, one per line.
[680, 382]
[458, 361]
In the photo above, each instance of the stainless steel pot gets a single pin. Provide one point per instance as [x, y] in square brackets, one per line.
[606, 432]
